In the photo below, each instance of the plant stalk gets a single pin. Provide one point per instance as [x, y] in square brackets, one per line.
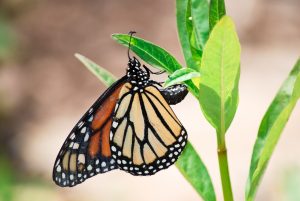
[224, 170]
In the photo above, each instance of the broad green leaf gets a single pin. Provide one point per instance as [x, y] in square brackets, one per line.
[189, 163]
[220, 71]
[106, 77]
[271, 128]
[181, 75]
[150, 53]
[155, 56]
[216, 11]
[193, 29]
[195, 172]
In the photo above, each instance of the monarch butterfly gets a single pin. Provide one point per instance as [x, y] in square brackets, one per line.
[131, 127]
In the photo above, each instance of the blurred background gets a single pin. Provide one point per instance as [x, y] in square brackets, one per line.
[44, 90]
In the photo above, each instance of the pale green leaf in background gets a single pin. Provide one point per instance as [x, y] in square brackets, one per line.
[271, 128]
[106, 77]
[220, 71]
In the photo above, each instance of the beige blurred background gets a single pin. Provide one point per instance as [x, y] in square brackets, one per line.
[44, 90]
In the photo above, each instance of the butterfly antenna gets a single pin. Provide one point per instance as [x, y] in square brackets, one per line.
[129, 45]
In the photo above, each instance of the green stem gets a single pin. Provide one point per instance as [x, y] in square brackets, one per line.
[224, 170]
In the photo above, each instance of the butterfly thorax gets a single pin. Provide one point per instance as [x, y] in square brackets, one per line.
[138, 77]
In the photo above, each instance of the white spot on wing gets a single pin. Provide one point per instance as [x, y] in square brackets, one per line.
[71, 177]
[91, 118]
[86, 137]
[76, 146]
[114, 124]
[113, 148]
[80, 124]
[58, 169]
[81, 158]
[83, 130]
[57, 163]
[72, 137]
[89, 168]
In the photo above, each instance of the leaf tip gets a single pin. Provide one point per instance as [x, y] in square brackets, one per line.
[78, 56]
[114, 36]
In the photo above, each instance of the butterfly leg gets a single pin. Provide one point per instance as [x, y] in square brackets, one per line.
[155, 73]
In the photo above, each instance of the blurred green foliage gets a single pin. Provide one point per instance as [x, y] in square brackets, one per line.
[6, 181]
[291, 184]
[13, 187]
[8, 40]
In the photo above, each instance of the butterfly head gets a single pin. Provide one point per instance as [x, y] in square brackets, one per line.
[137, 76]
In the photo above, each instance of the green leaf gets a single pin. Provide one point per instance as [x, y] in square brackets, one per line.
[181, 75]
[155, 56]
[189, 163]
[106, 77]
[216, 11]
[193, 29]
[200, 18]
[220, 71]
[271, 128]
[195, 172]
[150, 53]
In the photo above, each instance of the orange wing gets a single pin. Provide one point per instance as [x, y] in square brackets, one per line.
[86, 151]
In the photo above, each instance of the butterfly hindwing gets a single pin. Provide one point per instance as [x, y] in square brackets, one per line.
[86, 151]
[146, 136]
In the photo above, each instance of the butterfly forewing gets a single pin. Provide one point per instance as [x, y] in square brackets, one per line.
[146, 136]
[86, 151]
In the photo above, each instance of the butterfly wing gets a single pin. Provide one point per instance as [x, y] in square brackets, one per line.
[86, 151]
[146, 136]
